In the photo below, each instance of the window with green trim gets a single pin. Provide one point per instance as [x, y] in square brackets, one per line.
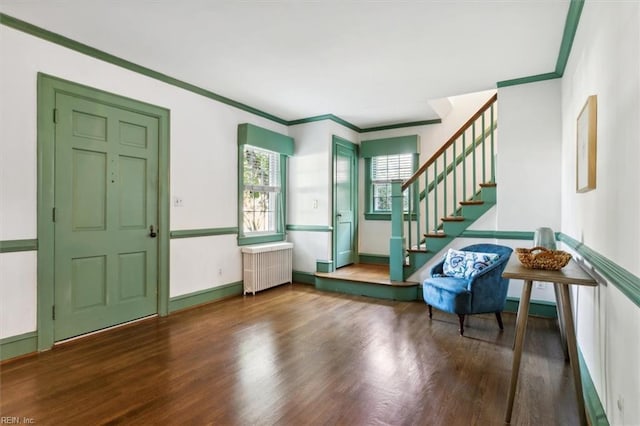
[386, 160]
[262, 177]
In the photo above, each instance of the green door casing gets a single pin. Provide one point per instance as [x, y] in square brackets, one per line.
[345, 163]
[106, 201]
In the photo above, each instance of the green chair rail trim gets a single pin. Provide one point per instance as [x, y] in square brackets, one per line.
[205, 296]
[498, 235]
[570, 28]
[304, 277]
[10, 246]
[624, 280]
[261, 239]
[22, 344]
[593, 405]
[74, 45]
[61, 40]
[206, 232]
[309, 228]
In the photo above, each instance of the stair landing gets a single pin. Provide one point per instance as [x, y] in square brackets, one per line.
[365, 279]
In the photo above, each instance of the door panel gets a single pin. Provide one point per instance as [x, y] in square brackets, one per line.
[106, 198]
[345, 178]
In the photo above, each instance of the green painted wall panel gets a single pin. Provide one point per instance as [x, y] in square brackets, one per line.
[249, 134]
[390, 146]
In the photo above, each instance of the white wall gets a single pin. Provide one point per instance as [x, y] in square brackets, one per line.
[528, 166]
[605, 61]
[203, 168]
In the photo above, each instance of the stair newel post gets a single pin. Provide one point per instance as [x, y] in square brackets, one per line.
[493, 164]
[396, 244]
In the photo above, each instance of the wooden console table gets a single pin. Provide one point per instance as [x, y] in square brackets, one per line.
[570, 274]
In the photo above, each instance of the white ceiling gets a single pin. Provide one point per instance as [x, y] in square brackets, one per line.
[368, 62]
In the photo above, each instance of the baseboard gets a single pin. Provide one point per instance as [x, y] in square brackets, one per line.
[592, 404]
[205, 296]
[304, 277]
[375, 259]
[22, 344]
[538, 308]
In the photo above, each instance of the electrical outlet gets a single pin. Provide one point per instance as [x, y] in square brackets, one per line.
[220, 271]
[178, 202]
[315, 204]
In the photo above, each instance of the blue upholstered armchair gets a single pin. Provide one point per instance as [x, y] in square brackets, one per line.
[485, 291]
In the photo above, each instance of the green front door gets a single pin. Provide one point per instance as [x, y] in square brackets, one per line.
[106, 201]
[345, 163]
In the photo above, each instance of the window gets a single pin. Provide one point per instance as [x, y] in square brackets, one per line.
[386, 160]
[384, 169]
[262, 191]
[262, 178]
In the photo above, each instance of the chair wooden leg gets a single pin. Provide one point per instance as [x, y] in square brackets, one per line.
[461, 318]
[430, 312]
[499, 318]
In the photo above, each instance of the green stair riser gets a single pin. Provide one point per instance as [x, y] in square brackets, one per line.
[405, 293]
[453, 229]
[489, 194]
[472, 213]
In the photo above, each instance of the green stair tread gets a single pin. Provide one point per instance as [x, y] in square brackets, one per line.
[453, 219]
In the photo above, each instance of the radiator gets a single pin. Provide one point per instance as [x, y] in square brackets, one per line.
[266, 266]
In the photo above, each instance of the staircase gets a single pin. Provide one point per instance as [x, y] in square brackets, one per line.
[450, 191]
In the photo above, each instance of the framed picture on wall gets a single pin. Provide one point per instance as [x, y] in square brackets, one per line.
[586, 146]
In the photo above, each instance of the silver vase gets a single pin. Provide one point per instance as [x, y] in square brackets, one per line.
[544, 237]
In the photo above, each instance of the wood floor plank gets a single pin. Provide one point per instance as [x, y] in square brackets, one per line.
[296, 356]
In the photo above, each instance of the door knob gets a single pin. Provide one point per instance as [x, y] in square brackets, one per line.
[152, 233]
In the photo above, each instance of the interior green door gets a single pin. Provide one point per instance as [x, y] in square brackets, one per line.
[345, 178]
[106, 201]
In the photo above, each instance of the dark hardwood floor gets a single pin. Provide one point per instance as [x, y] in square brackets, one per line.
[295, 356]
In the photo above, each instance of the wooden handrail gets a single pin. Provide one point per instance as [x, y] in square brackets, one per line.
[450, 142]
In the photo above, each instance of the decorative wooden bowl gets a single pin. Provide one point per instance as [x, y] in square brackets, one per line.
[543, 258]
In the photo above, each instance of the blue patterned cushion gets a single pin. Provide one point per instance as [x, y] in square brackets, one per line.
[466, 264]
